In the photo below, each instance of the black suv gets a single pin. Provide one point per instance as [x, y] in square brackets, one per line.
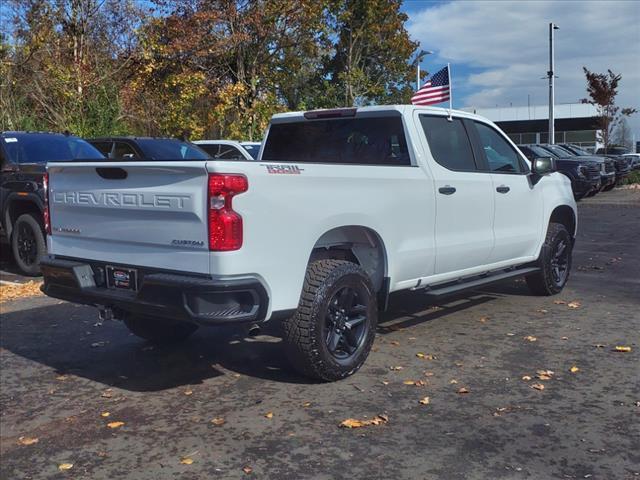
[23, 156]
[584, 175]
[148, 148]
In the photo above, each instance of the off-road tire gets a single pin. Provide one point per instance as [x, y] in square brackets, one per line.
[543, 282]
[303, 332]
[158, 330]
[33, 225]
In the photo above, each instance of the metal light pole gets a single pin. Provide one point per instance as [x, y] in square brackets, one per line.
[550, 74]
[420, 57]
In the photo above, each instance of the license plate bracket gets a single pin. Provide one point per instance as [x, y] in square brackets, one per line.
[122, 278]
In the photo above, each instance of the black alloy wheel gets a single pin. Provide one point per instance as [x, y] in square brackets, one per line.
[560, 262]
[26, 244]
[346, 322]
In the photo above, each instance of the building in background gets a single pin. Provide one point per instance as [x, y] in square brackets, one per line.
[575, 123]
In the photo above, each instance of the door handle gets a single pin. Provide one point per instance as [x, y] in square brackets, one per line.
[447, 190]
[502, 189]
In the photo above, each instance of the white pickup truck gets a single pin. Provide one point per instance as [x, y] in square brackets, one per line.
[341, 208]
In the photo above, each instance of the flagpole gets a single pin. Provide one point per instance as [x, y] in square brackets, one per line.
[450, 92]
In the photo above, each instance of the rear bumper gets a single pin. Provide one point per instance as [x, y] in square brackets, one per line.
[199, 300]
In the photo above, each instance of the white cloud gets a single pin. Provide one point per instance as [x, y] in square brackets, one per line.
[507, 44]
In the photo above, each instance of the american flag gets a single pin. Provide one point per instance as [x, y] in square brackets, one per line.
[435, 90]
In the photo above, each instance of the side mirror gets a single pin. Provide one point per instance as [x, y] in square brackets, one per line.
[541, 166]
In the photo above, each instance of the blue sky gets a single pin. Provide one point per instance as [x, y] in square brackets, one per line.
[498, 50]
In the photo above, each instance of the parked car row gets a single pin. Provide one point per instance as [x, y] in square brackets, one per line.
[24, 156]
[589, 173]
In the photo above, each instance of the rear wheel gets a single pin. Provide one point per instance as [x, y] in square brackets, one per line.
[330, 335]
[28, 244]
[554, 262]
[158, 331]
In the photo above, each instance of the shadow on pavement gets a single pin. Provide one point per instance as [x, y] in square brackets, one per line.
[68, 339]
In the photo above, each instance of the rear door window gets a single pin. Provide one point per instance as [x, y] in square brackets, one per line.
[357, 141]
[449, 143]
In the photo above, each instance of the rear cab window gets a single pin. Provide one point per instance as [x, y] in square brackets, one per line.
[367, 140]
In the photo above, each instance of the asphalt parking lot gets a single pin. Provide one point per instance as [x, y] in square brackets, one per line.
[222, 406]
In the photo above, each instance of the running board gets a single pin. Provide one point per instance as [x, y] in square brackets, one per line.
[477, 281]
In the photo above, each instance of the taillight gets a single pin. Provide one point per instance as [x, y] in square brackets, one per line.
[47, 215]
[225, 225]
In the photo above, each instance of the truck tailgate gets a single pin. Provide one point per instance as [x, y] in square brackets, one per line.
[149, 214]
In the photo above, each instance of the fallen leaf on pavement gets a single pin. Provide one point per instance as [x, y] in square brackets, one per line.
[355, 423]
[108, 393]
[544, 374]
[247, 469]
[526, 378]
[98, 344]
[453, 381]
[484, 319]
[574, 304]
[186, 460]
[19, 290]
[395, 369]
[574, 369]
[542, 310]
[105, 414]
[599, 345]
[428, 374]
[530, 338]
[218, 421]
[463, 390]
[559, 302]
[538, 386]
[306, 404]
[27, 440]
[268, 415]
[62, 378]
[426, 356]
[384, 382]
[620, 348]
[65, 466]
[115, 424]
[395, 343]
[188, 392]
[425, 401]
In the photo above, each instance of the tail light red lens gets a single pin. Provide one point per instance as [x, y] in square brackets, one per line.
[47, 215]
[225, 225]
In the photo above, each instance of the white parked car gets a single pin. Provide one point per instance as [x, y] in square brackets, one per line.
[342, 208]
[229, 149]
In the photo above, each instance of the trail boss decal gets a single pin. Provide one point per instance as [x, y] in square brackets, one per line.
[283, 169]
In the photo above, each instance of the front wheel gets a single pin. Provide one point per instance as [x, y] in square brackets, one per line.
[158, 331]
[28, 244]
[554, 262]
[330, 335]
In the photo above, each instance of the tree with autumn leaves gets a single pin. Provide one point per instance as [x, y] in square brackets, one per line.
[211, 68]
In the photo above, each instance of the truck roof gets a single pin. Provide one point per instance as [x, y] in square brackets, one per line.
[373, 109]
